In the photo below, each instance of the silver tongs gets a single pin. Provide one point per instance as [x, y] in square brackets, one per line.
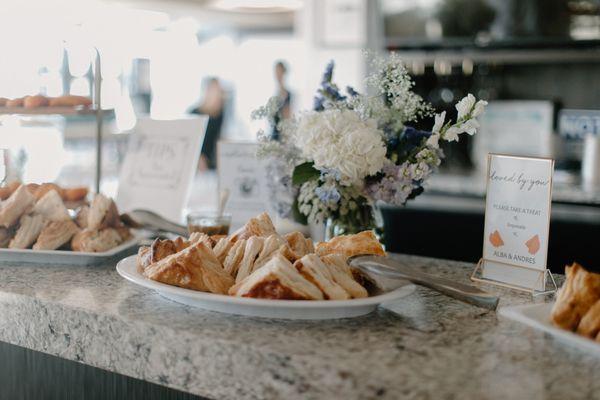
[146, 219]
[391, 268]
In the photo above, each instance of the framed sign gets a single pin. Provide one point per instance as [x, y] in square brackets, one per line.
[517, 221]
[240, 171]
[160, 164]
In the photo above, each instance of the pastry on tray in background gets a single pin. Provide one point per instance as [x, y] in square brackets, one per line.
[15, 102]
[35, 101]
[70, 101]
[68, 195]
[262, 263]
[35, 216]
[577, 298]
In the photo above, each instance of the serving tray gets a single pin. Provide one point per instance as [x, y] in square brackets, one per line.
[285, 309]
[537, 316]
[65, 257]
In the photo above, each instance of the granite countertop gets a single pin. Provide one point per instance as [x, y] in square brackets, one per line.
[423, 346]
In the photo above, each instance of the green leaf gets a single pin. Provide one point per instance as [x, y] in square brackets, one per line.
[298, 216]
[305, 172]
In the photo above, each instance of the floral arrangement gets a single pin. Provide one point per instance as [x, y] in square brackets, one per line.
[354, 150]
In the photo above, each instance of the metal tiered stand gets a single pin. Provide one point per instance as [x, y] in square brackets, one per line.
[95, 109]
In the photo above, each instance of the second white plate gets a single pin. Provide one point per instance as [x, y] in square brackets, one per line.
[538, 316]
[286, 309]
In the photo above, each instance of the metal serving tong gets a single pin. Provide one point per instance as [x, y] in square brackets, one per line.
[145, 219]
[391, 268]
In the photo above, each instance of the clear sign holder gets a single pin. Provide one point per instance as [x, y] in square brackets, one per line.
[477, 276]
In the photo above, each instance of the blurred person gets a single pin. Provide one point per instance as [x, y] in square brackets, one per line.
[284, 95]
[212, 105]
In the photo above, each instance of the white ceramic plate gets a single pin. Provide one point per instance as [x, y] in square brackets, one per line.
[64, 257]
[538, 316]
[287, 309]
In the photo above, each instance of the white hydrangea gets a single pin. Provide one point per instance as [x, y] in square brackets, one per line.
[340, 140]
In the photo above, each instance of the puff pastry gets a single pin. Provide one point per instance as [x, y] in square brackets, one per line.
[342, 275]
[590, 323]
[102, 213]
[257, 226]
[19, 203]
[5, 235]
[578, 294]
[253, 247]
[9, 189]
[35, 101]
[312, 269]
[41, 190]
[96, 241]
[29, 229]
[51, 207]
[196, 267]
[222, 248]
[232, 261]
[351, 245]
[279, 280]
[55, 234]
[299, 245]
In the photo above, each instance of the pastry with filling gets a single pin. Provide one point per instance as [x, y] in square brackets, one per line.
[342, 275]
[75, 194]
[253, 247]
[272, 244]
[96, 241]
[81, 216]
[260, 225]
[55, 234]
[5, 237]
[41, 190]
[277, 280]
[103, 213]
[299, 245]
[589, 325]
[201, 237]
[19, 203]
[196, 267]
[312, 268]
[51, 207]
[222, 248]
[29, 230]
[578, 294]
[234, 257]
[351, 245]
[9, 189]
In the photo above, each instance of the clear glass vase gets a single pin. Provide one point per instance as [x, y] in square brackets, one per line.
[364, 218]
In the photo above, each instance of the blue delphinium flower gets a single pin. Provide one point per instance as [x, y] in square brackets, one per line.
[318, 103]
[351, 92]
[414, 135]
[328, 194]
[328, 74]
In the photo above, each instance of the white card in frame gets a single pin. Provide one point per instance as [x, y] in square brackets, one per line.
[240, 171]
[517, 220]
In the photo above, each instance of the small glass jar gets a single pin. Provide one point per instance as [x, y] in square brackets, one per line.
[209, 222]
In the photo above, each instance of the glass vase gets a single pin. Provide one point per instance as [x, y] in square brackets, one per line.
[363, 218]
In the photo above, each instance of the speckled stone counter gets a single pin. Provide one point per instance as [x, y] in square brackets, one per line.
[421, 347]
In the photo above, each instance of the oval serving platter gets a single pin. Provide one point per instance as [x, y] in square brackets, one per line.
[265, 308]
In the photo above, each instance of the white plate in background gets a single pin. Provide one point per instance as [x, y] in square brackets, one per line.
[64, 257]
[285, 309]
[538, 316]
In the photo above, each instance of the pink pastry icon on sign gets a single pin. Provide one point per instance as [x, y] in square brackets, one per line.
[533, 244]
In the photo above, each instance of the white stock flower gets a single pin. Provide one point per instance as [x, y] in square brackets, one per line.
[439, 122]
[433, 141]
[470, 126]
[340, 140]
[465, 105]
[478, 109]
[451, 134]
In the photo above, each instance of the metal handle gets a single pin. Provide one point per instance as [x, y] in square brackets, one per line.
[392, 269]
